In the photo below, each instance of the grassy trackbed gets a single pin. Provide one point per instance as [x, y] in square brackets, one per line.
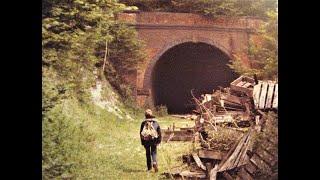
[105, 147]
[118, 153]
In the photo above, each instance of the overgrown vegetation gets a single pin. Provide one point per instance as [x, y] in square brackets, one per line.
[213, 8]
[74, 37]
[74, 42]
[86, 142]
[223, 139]
[263, 52]
[161, 111]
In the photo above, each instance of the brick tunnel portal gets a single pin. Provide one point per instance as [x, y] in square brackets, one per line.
[188, 66]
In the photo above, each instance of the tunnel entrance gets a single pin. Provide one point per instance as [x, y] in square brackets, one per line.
[188, 66]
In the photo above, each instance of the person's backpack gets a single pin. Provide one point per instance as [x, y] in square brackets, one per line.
[148, 132]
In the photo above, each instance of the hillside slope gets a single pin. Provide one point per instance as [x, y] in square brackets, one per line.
[99, 141]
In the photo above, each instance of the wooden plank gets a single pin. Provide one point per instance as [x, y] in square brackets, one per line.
[231, 98]
[241, 83]
[270, 95]
[211, 154]
[236, 156]
[246, 85]
[227, 176]
[260, 163]
[198, 161]
[244, 174]
[190, 174]
[213, 172]
[275, 98]
[247, 91]
[187, 128]
[263, 95]
[273, 152]
[248, 79]
[178, 138]
[236, 81]
[270, 148]
[268, 158]
[178, 133]
[179, 116]
[256, 94]
[251, 168]
[209, 168]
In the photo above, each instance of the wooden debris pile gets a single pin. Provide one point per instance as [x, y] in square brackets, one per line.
[224, 126]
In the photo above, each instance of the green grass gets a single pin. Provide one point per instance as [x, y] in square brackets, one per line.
[118, 154]
[101, 146]
[167, 121]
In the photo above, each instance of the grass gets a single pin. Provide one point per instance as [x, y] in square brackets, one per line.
[118, 154]
[102, 146]
[167, 121]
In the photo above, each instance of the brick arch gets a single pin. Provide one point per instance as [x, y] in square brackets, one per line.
[147, 82]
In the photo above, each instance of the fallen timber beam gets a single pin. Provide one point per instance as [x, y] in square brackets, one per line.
[258, 162]
[180, 116]
[211, 154]
[227, 176]
[266, 156]
[178, 133]
[177, 138]
[232, 99]
[198, 161]
[251, 168]
[244, 174]
[187, 128]
[189, 174]
[236, 156]
[228, 102]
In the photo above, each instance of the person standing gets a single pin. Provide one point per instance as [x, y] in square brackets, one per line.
[150, 135]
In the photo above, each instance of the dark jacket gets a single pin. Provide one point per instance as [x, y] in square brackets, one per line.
[155, 126]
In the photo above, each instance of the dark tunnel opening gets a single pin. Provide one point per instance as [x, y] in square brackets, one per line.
[188, 66]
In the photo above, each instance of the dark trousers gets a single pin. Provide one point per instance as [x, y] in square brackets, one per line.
[151, 152]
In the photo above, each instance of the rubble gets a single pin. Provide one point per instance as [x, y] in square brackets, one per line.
[225, 122]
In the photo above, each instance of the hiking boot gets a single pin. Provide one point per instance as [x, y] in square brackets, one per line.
[155, 166]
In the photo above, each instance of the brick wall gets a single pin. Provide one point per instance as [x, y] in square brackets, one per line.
[161, 31]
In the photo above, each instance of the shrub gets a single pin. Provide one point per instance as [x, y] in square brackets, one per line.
[161, 110]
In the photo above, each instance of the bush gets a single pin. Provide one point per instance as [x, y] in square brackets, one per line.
[161, 110]
[62, 137]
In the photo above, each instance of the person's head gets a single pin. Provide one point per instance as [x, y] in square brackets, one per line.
[148, 113]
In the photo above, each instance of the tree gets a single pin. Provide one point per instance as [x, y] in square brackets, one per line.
[212, 8]
[74, 33]
[263, 51]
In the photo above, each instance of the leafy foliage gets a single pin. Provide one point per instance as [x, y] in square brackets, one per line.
[74, 33]
[125, 54]
[208, 7]
[74, 36]
[263, 52]
[161, 110]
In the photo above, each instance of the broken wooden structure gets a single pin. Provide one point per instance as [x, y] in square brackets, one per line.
[265, 95]
[243, 84]
[238, 110]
